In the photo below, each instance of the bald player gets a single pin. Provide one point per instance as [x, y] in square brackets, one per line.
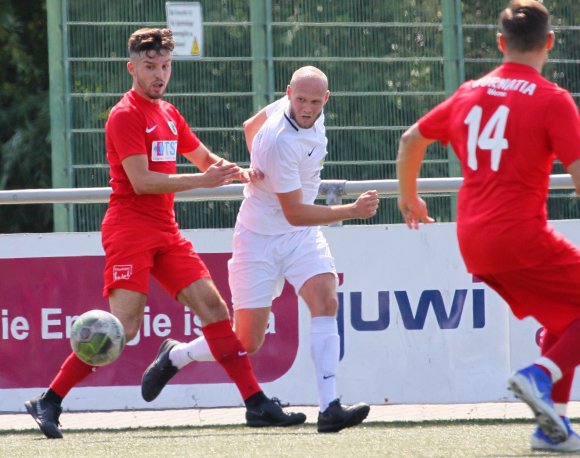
[277, 237]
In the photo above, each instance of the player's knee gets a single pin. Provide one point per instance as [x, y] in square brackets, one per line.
[251, 343]
[327, 307]
[131, 330]
[217, 309]
[210, 311]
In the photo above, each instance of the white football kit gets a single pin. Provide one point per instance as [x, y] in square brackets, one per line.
[266, 248]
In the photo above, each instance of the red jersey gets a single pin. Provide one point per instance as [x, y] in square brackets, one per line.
[157, 130]
[506, 129]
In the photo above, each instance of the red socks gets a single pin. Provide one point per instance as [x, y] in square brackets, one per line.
[72, 372]
[228, 351]
[223, 343]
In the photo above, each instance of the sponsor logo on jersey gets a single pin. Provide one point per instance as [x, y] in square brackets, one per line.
[164, 151]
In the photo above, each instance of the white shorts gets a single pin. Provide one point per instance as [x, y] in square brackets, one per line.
[261, 263]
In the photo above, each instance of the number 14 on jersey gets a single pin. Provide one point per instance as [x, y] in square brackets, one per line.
[490, 138]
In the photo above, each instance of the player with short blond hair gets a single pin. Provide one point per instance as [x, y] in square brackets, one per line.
[277, 237]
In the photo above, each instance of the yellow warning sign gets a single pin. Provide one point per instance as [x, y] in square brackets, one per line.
[195, 47]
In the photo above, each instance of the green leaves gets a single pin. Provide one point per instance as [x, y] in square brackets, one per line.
[24, 112]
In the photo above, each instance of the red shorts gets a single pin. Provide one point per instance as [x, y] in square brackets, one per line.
[549, 292]
[132, 253]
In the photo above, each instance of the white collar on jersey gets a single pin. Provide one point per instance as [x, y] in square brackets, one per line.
[316, 126]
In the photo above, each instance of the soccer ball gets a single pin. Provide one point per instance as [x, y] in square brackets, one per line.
[97, 337]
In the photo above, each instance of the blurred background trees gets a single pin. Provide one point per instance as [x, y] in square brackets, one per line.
[384, 60]
[24, 112]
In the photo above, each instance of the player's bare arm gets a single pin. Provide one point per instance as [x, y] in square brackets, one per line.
[574, 170]
[252, 126]
[145, 181]
[410, 156]
[203, 158]
[300, 214]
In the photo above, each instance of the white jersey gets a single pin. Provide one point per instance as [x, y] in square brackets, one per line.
[291, 158]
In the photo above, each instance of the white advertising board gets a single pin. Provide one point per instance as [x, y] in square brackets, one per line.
[415, 326]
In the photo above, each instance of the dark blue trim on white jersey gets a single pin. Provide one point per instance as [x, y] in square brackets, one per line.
[290, 121]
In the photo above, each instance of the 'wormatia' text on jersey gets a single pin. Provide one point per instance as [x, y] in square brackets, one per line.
[499, 86]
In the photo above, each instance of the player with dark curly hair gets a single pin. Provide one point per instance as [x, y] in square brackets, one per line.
[144, 135]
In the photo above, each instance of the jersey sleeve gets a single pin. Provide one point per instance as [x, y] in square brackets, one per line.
[434, 125]
[563, 126]
[125, 129]
[279, 104]
[283, 168]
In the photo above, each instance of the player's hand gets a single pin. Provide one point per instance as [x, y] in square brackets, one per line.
[250, 175]
[366, 205]
[220, 173]
[414, 211]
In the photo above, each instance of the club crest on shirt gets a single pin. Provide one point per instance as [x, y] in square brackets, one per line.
[172, 126]
[122, 272]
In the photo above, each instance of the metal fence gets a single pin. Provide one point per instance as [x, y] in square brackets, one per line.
[387, 62]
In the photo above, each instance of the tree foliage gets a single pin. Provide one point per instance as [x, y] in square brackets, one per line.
[24, 112]
[384, 61]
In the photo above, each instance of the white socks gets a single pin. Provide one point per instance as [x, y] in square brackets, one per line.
[555, 371]
[561, 409]
[325, 352]
[324, 349]
[196, 350]
[555, 375]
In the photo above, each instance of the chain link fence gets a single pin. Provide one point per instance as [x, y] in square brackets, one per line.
[387, 63]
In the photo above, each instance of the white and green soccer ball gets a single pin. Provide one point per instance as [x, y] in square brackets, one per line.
[97, 337]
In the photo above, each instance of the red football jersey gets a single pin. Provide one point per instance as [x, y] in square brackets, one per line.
[158, 130]
[506, 129]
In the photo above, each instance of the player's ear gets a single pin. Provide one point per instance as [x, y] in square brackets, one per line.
[288, 91]
[550, 41]
[500, 41]
[130, 68]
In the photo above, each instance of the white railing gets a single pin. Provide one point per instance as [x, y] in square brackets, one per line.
[333, 190]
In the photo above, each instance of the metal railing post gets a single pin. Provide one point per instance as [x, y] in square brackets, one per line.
[59, 110]
[262, 84]
[333, 190]
[453, 70]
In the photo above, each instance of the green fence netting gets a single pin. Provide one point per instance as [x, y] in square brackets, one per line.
[386, 67]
